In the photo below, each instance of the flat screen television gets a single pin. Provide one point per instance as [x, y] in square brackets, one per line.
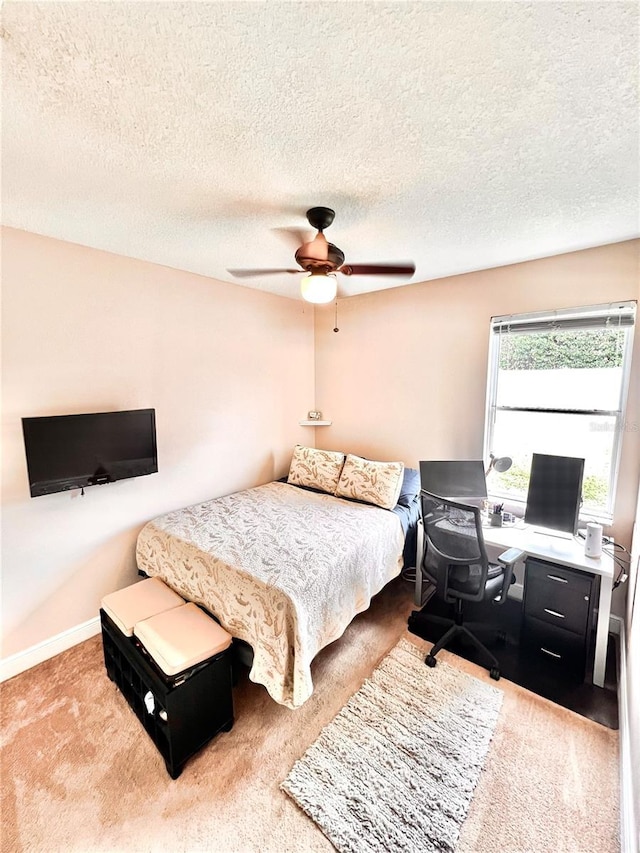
[463, 480]
[75, 451]
[555, 492]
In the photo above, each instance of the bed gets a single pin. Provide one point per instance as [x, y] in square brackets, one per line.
[283, 567]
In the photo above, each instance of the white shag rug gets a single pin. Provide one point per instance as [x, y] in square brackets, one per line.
[395, 770]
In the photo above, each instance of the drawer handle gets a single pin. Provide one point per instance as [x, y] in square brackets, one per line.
[556, 578]
[552, 654]
[554, 613]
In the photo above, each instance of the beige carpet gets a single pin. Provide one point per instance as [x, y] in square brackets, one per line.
[80, 774]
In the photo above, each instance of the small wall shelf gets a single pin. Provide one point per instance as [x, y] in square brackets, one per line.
[314, 423]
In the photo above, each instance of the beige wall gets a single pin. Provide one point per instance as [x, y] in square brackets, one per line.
[405, 377]
[229, 371]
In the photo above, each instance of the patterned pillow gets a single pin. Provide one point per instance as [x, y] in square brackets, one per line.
[376, 483]
[316, 469]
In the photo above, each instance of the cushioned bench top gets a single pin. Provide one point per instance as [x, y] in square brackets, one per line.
[182, 637]
[139, 601]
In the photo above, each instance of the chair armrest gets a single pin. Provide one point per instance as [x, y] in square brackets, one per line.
[511, 556]
[508, 559]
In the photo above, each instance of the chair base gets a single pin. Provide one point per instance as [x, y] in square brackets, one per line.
[453, 633]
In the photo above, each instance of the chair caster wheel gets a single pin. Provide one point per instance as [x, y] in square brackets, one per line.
[430, 660]
[494, 672]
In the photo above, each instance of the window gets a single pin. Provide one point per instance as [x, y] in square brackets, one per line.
[558, 385]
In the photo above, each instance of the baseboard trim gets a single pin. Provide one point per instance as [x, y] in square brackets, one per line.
[22, 661]
[616, 625]
[516, 591]
[628, 829]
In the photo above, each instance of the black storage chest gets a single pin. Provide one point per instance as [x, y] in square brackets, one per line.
[181, 713]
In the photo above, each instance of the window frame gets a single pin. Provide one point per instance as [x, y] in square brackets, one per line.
[621, 314]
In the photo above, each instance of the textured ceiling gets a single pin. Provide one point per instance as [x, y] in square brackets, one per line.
[461, 135]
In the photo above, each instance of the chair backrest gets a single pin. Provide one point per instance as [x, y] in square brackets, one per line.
[453, 538]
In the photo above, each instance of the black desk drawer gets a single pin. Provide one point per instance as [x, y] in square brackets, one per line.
[554, 646]
[558, 595]
[558, 604]
[558, 577]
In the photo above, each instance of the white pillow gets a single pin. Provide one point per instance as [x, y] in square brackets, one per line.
[376, 483]
[316, 469]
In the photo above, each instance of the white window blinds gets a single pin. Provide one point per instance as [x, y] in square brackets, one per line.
[616, 315]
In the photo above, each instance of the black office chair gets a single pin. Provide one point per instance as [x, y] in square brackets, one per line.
[454, 558]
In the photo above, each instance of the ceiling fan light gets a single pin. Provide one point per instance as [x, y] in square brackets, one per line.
[319, 288]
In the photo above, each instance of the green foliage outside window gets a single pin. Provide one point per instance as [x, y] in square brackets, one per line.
[516, 481]
[554, 350]
[594, 490]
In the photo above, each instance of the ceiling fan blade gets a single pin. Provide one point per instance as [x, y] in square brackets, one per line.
[407, 269]
[295, 236]
[251, 273]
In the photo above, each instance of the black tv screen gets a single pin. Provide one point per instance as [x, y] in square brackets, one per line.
[75, 451]
[555, 492]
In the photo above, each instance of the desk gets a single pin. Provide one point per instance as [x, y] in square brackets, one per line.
[563, 552]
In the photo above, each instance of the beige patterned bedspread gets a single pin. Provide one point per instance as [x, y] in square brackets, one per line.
[284, 569]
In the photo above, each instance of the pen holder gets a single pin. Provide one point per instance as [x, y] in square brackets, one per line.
[495, 519]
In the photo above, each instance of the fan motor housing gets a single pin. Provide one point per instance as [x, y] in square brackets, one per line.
[335, 259]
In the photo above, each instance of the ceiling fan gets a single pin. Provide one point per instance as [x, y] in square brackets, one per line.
[321, 260]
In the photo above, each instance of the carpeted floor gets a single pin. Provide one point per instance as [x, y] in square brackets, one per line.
[80, 774]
